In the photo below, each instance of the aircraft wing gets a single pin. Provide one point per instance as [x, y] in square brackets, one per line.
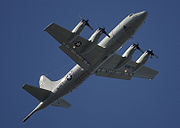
[126, 72]
[55, 30]
[76, 47]
[146, 72]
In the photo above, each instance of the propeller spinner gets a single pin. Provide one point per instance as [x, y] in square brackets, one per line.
[103, 31]
[137, 47]
[151, 53]
[87, 23]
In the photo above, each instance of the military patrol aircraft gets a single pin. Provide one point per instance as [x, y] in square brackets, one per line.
[92, 58]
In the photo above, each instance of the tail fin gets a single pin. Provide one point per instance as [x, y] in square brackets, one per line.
[38, 93]
[47, 84]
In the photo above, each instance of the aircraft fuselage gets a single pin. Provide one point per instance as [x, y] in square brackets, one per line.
[118, 36]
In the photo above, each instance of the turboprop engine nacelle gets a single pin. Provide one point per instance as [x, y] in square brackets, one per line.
[130, 51]
[80, 26]
[143, 58]
[97, 34]
[127, 56]
[93, 40]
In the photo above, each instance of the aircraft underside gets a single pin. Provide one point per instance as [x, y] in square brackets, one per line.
[93, 58]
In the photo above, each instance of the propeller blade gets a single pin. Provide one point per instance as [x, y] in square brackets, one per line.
[87, 24]
[80, 17]
[103, 31]
[156, 56]
[106, 34]
[137, 47]
[152, 54]
[140, 49]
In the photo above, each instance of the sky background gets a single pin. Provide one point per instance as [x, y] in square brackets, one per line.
[27, 52]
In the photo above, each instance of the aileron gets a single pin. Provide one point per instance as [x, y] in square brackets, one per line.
[61, 34]
[146, 72]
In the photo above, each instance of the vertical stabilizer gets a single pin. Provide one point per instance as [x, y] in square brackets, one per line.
[47, 84]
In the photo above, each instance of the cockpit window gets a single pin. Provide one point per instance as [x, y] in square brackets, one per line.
[131, 14]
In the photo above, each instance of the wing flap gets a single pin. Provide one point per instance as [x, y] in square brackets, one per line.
[113, 61]
[143, 72]
[113, 73]
[74, 56]
[108, 69]
[84, 60]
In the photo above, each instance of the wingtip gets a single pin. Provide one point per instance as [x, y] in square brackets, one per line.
[46, 28]
[24, 86]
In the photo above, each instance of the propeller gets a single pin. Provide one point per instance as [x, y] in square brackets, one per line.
[103, 31]
[151, 53]
[86, 23]
[137, 47]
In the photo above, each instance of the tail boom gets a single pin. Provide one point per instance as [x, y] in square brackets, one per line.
[31, 113]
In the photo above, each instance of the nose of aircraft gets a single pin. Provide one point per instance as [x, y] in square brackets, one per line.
[142, 15]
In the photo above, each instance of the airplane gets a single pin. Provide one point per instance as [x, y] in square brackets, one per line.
[92, 57]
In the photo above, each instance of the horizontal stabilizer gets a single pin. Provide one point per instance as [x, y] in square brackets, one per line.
[61, 103]
[39, 93]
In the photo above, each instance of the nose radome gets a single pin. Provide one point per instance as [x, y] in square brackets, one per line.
[143, 14]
